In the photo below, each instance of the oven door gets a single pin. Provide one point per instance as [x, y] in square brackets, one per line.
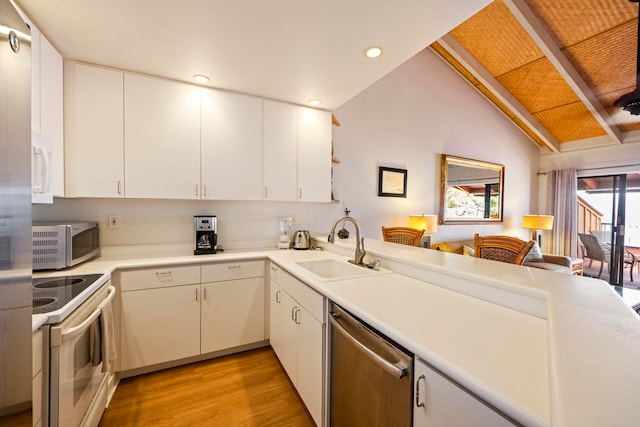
[77, 382]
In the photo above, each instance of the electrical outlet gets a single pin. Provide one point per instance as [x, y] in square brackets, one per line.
[114, 221]
[293, 220]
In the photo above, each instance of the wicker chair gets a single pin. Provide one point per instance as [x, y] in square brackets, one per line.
[402, 235]
[502, 248]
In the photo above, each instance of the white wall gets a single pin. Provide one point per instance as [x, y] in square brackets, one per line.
[408, 119]
[620, 158]
[623, 156]
[241, 225]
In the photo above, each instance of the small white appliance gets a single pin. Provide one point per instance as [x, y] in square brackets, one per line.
[284, 240]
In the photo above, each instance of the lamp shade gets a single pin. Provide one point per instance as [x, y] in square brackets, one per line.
[428, 223]
[537, 222]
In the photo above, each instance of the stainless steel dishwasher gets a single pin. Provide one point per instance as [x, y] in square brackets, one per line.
[370, 378]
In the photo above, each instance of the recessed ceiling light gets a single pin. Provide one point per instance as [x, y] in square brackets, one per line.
[314, 102]
[200, 78]
[373, 52]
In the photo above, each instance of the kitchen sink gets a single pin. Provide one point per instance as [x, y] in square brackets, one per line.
[329, 269]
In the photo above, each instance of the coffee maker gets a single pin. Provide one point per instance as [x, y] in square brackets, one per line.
[205, 234]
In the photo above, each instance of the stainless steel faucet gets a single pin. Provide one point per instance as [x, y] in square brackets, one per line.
[360, 252]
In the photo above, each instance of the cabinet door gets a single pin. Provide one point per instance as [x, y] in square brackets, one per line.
[35, 76]
[94, 145]
[284, 331]
[51, 107]
[310, 352]
[280, 149]
[232, 314]
[231, 146]
[159, 325]
[314, 155]
[276, 334]
[162, 138]
[445, 404]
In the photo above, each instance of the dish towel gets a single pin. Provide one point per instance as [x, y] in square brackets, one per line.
[95, 343]
[108, 347]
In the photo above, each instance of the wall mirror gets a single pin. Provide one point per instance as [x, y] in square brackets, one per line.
[471, 191]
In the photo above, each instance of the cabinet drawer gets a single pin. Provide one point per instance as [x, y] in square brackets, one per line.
[232, 271]
[275, 272]
[150, 278]
[312, 301]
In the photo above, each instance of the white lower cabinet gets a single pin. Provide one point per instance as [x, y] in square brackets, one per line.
[297, 336]
[440, 402]
[233, 305]
[160, 325]
[168, 314]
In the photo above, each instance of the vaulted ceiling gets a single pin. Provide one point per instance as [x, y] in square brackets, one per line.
[554, 67]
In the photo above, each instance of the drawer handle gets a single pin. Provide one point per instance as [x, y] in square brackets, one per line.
[274, 268]
[278, 297]
[164, 276]
[234, 266]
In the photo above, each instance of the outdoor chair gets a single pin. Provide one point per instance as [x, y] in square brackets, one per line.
[402, 235]
[594, 249]
[502, 248]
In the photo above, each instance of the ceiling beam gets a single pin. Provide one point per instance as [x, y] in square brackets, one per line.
[547, 45]
[472, 65]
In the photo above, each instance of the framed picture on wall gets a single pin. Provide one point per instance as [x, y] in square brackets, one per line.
[392, 182]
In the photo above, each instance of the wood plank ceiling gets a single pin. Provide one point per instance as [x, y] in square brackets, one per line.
[554, 67]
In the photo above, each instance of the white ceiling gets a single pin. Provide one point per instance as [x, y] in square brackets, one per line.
[291, 50]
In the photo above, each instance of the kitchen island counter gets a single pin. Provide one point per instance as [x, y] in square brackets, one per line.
[544, 348]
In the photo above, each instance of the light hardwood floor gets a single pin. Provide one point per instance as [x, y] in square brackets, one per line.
[244, 389]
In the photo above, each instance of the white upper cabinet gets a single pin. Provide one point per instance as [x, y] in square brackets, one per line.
[47, 121]
[314, 155]
[280, 146]
[297, 153]
[173, 140]
[94, 145]
[35, 76]
[51, 110]
[162, 138]
[231, 161]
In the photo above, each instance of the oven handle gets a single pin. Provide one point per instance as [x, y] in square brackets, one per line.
[76, 330]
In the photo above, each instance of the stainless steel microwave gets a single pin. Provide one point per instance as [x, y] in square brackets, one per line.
[57, 246]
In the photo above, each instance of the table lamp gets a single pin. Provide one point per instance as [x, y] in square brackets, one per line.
[428, 223]
[537, 223]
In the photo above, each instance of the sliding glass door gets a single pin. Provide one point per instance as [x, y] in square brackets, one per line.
[602, 208]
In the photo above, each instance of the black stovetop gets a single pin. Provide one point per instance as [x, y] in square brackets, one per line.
[53, 293]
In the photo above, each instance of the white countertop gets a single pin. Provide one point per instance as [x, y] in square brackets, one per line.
[546, 348]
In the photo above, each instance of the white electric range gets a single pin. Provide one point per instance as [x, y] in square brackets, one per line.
[78, 310]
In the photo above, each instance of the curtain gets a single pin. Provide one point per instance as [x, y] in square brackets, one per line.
[562, 203]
